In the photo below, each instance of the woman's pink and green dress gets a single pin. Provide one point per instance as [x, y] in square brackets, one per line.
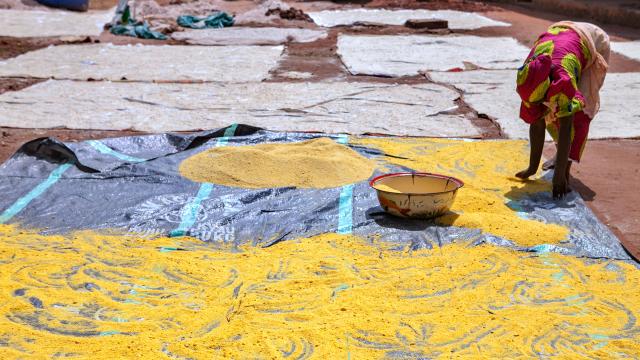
[548, 84]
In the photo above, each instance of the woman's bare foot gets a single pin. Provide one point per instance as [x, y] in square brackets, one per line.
[525, 174]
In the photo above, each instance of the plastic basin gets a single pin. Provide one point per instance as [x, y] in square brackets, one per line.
[416, 195]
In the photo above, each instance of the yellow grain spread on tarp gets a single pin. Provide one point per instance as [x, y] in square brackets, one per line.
[387, 188]
[318, 163]
[99, 296]
[487, 169]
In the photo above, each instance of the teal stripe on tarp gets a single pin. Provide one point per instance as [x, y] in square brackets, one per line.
[104, 149]
[227, 134]
[342, 139]
[345, 210]
[345, 205]
[22, 202]
[190, 211]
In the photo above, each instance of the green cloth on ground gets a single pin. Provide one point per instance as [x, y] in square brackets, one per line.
[215, 21]
[139, 30]
[128, 26]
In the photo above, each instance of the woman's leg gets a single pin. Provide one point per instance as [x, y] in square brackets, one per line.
[562, 168]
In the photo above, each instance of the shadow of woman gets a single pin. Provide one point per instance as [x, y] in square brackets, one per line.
[584, 190]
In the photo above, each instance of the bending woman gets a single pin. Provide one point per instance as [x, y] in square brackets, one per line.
[559, 84]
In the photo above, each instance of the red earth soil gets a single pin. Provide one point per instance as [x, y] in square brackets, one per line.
[607, 179]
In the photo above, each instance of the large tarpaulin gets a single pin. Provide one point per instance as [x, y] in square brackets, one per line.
[133, 184]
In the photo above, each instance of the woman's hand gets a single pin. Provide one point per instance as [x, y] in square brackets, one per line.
[560, 186]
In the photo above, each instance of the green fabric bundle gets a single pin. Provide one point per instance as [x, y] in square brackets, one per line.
[128, 26]
[214, 21]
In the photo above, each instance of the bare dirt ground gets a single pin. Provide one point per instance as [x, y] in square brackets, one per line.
[12, 47]
[606, 177]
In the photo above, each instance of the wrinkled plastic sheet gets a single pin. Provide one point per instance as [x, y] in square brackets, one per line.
[408, 55]
[458, 20]
[133, 184]
[248, 36]
[146, 63]
[35, 23]
[339, 107]
[630, 49]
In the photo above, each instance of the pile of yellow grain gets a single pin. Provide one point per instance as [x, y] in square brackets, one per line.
[318, 163]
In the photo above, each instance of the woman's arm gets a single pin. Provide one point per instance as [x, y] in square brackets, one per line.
[536, 140]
